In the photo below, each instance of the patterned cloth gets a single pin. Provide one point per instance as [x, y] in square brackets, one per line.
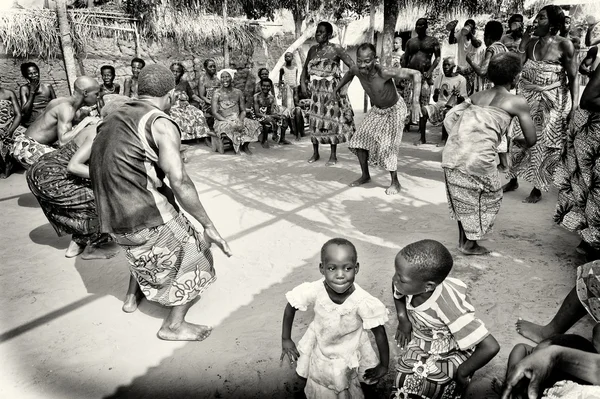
[67, 200]
[190, 119]
[26, 150]
[336, 351]
[331, 120]
[588, 288]
[171, 263]
[473, 200]
[446, 85]
[381, 135]
[445, 333]
[211, 85]
[571, 390]
[576, 175]
[544, 85]
[7, 116]
[247, 134]
[406, 91]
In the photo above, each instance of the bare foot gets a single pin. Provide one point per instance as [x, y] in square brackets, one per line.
[332, 161]
[534, 197]
[314, 158]
[512, 185]
[393, 189]
[103, 251]
[247, 150]
[220, 146]
[532, 331]
[441, 143]
[74, 249]
[362, 180]
[502, 168]
[472, 248]
[132, 302]
[298, 137]
[497, 386]
[265, 144]
[285, 142]
[184, 332]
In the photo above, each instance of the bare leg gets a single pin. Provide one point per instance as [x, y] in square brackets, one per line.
[512, 185]
[299, 122]
[534, 197]
[74, 249]
[265, 135]
[333, 156]
[470, 247]
[175, 328]
[246, 148]
[315, 156]
[569, 313]
[133, 297]
[363, 157]
[282, 140]
[596, 337]
[105, 250]
[444, 137]
[422, 127]
[395, 186]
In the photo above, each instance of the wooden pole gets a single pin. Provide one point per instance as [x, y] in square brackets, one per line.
[136, 39]
[372, 40]
[226, 40]
[66, 43]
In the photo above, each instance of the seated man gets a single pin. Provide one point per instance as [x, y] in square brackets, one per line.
[449, 89]
[267, 113]
[55, 124]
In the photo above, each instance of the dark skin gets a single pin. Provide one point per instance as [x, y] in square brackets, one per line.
[211, 70]
[323, 49]
[339, 267]
[379, 85]
[408, 280]
[264, 101]
[33, 89]
[585, 68]
[6, 94]
[549, 46]
[130, 86]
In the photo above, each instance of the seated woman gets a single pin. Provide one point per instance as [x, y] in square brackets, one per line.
[10, 117]
[190, 119]
[60, 181]
[269, 114]
[207, 84]
[35, 95]
[229, 111]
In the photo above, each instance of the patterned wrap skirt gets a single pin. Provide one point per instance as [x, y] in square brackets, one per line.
[381, 135]
[588, 288]
[171, 263]
[28, 151]
[247, 134]
[473, 200]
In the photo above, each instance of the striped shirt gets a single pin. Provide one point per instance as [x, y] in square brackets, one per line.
[447, 308]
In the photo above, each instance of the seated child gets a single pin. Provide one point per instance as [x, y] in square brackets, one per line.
[449, 89]
[335, 355]
[521, 351]
[445, 343]
[267, 113]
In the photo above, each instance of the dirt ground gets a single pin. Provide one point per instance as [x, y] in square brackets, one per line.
[63, 334]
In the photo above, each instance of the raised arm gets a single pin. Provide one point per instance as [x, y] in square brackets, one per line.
[17, 120]
[590, 99]
[167, 138]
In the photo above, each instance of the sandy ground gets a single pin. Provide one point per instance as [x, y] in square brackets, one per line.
[63, 334]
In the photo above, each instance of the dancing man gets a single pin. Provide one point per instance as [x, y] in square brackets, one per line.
[377, 140]
[170, 261]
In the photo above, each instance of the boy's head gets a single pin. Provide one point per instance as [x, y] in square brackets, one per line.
[397, 43]
[421, 27]
[469, 23]
[504, 69]
[266, 85]
[365, 57]
[339, 264]
[288, 57]
[421, 266]
[137, 64]
[492, 32]
[108, 74]
[448, 66]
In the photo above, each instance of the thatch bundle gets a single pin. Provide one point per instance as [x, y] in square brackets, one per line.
[35, 32]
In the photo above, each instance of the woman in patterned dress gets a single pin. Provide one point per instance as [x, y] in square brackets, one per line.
[578, 174]
[207, 84]
[10, 117]
[331, 119]
[190, 119]
[549, 84]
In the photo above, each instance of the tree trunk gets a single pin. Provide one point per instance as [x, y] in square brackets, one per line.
[298, 19]
[226, 41]
[309, 32]
[66, 43]
[390, 16]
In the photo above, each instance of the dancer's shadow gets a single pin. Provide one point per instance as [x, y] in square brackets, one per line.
[28, 200]
[45, 235]
[111, 277]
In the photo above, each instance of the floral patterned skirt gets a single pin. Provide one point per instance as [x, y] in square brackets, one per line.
[191, 121]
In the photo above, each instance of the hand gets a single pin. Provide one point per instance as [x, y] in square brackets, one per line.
[416, 111]
[404, 332]
[427, 75]
[288, 347]
[536, 367]
[34, 86]
[212, 236]
[336, 94]
[520, 141]
[376, 373]
[462, 379]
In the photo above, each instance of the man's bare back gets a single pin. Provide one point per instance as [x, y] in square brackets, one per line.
[59, 113]
[379, 86]
[420, 51]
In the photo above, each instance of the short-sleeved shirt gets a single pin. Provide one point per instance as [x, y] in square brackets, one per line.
[447, 308]
[446, 84]
[464, 47]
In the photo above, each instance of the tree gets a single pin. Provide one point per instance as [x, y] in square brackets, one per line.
[390, 17]
[66, 42]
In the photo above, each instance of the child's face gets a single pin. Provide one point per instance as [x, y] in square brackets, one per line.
[339, 268]
[406, 278]
[263, 74]
[136, 68]
[288, 58]
[107, 76]
[397, 43]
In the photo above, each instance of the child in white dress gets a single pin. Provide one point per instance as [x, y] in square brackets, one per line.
[335, 355]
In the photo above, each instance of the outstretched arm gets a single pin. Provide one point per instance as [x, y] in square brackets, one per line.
[520, 108]
[167, 138]
[484, 352]
[382, 368]
[415, 76]
[481, 70]
[288, 347]
[347, 78]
